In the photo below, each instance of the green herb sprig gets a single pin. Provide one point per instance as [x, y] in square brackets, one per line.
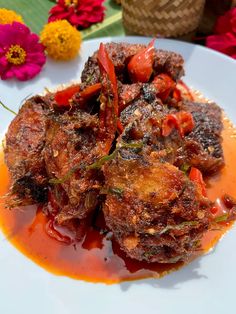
[8, 109]
[179, 227]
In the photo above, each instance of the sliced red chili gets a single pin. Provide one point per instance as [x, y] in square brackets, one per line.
[182, 121]
[140, 66]
[90, 91]
[107, 69]
[109, 99]
[186, 122]
[187, 90]
[177, 94]
[120, 127]
[63, 97]
[195, 175]
[164, 85]
[169, 123]
[83, 97]
[214, 210]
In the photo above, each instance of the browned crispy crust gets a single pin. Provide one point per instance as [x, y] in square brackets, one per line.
[121, 53]
[23, 153]
[154, 211]
[70, 146]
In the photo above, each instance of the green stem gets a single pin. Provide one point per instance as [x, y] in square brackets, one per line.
[8, 109]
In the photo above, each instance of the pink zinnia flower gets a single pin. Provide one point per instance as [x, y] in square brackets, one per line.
[21, 54]
[225, 43]
[80, 13]
[225, 39]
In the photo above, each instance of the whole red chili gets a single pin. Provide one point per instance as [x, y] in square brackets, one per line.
[195, 175]
[182, 121]
[140, 66]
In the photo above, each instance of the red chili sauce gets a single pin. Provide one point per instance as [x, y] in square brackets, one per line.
[97, 258]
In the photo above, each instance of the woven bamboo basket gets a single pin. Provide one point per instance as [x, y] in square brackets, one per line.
[169, 18]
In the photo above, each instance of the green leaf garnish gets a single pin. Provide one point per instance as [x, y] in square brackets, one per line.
[131, 145]
[98, 164]
[116, 191]
[112, 190]
[8, 109]
[222, 218]
[185, 167]
[66, 176]
[178, 227]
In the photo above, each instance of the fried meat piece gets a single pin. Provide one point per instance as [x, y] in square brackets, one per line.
[202, 147]
[155, 213]
[121, 53]
[70, 147]
[23, 153]
[169, 62]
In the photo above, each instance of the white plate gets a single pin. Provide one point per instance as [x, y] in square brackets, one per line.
[205, 286]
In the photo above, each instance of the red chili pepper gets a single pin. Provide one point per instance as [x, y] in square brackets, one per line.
[182, 121]
[84, 96]
[107, 68]
[120, 127]
[177, 94]
[140, 66]
[187, 90]
[90, 91]
[186, 122]
[214, 210]
[169, 123]
[195, 175]
[109, 99]
[164, 85]
[62, 97]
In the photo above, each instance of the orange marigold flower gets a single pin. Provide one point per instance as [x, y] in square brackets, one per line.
[61, 40]
[9, 16]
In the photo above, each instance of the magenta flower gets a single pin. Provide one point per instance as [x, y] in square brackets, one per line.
[21, 54]
[79, 13]
[224, 39]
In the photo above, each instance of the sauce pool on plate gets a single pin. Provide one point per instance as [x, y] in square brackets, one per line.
[97, 258]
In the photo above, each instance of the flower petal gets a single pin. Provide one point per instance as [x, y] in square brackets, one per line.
[225, 43]
[7, 74]
[3, 64]
[81, 15]
[19, 34]
[26, 71]
[36, 58]
[226, 23]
